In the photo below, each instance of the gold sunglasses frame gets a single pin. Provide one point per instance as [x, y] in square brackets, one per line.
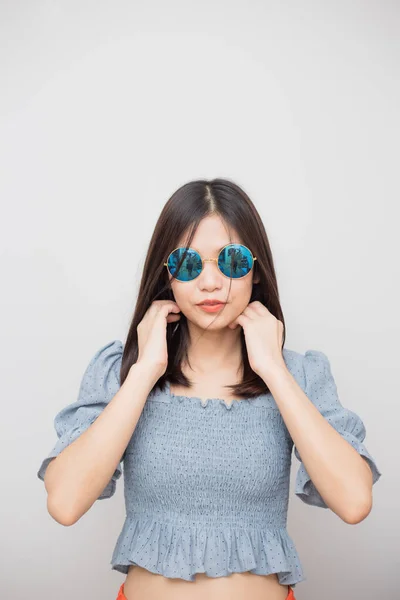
[203, 260]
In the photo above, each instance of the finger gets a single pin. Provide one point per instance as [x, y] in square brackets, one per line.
[259, 307]
[238, 321]
[172, 317]
[165, 309]
[160, 304]
[251, 312]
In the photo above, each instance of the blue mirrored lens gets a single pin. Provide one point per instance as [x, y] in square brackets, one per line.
[235, 261]
[190, 267]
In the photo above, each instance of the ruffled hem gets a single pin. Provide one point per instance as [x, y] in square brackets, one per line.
[177, 551]
[305, 488]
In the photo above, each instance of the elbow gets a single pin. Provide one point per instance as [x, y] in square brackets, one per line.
[361, 509]
[59, 506]
[62, 517]
[358, 512]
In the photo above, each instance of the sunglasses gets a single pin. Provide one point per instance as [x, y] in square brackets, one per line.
[234, 261]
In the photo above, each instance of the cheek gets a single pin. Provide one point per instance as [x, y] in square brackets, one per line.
[243, 295]
[244, 288]
[182, 293]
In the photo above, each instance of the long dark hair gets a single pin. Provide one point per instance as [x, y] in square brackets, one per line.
[182, 214]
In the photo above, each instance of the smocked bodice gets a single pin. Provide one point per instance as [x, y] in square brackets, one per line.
[209, 463]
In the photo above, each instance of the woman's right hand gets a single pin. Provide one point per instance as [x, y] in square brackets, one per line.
[152, 334]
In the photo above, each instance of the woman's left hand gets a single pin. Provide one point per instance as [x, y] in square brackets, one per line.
[263, 334]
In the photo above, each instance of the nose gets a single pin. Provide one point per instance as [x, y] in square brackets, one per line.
[210, 276]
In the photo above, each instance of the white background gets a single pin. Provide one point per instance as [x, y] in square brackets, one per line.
[105, 109]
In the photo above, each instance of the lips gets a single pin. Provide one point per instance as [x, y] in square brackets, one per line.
[210, 302]
[211, 308]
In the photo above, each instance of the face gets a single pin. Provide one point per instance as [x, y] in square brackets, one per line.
[209, 238]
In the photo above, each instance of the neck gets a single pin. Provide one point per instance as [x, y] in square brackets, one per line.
[214, 350]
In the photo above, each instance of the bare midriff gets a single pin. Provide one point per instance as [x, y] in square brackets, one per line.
[141, 584]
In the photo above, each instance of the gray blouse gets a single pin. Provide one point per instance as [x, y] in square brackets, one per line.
[206, 484]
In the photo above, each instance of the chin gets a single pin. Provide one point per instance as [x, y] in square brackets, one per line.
[210, 321]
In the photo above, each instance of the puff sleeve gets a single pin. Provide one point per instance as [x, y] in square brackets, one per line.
[99, 384]
[320, 388]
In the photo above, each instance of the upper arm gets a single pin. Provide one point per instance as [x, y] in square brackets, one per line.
[320, 387]
[99, 384]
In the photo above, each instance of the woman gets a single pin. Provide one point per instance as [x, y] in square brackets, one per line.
[203, 406]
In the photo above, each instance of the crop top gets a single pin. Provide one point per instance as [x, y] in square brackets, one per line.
[206, 483]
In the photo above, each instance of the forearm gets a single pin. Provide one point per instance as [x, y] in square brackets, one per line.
[340, 474]
[76, 478]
